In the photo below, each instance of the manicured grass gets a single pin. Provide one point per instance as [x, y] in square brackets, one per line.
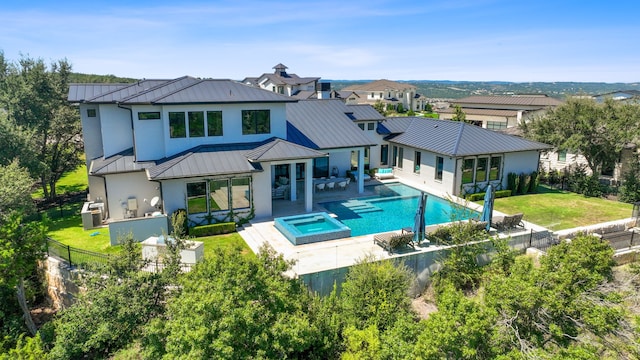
[556, 209]
[73, 181]
[213, 244]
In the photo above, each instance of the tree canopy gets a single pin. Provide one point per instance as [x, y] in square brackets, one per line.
[34, 97]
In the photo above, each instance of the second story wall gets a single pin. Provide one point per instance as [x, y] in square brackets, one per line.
[182, 127]
[117, 134]
[91, 132]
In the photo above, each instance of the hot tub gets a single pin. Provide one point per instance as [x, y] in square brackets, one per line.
[311, 228]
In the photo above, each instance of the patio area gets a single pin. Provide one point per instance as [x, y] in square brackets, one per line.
[332, 254]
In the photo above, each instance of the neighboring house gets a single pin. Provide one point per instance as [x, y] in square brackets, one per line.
[281, 82]
[632, 96]
[500, 112]
[455, 157]
[348, 97]
[391, 93]
[213, 147]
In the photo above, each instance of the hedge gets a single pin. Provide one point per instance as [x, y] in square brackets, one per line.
[213, 229]
[480, 196]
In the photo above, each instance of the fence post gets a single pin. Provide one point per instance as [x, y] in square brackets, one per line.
[531, 238]
[633, 232]
[69, 255]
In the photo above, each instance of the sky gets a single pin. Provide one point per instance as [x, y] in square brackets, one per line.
[465, 40]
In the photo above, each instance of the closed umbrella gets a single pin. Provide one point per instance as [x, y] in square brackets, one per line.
[487, 210]
[419, 224]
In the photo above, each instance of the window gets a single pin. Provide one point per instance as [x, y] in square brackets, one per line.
[354, 159]
[373, 95]
[394, 160]
[240, 194]
[384, 154]
[562, 155]
[177, 126]
[149, 115]
[400, 156]
[494, 169]
[91, 112]
[196, 124]
[496, 125]
[214, 123]
[219, 195]
[481, 169]
[417, 157]
[380, 95]
[439, 167]
[371, 126]
[321, 167]
[197, 197]
[467, 170]
[361, 126]
[256, 122]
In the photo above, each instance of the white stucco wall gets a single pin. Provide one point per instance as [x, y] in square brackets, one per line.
[91, 133]
[262, 192]
[153, 140]
[121, 187]
[427, 171]
[117, 134]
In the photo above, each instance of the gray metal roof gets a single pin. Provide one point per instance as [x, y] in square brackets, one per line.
[455, 138]
[120, 163]
[484, 112]
[323, 124]
[184, 90]
[365, 112]
[80, 92]
[241, 158]
[279, 149]
[522, 100]
[207, 160]
[381, 85]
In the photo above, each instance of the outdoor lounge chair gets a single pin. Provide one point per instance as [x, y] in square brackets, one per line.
[281, 192]
[507, 222]
[393, 240]
[384, 174]
[342, 185]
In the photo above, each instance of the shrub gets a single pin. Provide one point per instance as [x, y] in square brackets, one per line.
[630, 189]
[182, 214]
[535, 181]
[475, 197]
[523, 183]
[480, 196]
[512, 182]
[503, 193]
[213, 229]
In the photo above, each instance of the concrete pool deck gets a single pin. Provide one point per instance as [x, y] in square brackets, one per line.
[332, 254]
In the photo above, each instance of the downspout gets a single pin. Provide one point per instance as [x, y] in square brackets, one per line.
[455, 175]
[133, 131]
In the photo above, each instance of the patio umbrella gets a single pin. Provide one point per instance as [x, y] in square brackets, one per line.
[487, 210]
[419, 225]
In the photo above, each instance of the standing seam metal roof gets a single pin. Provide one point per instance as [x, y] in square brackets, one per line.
[455, 138]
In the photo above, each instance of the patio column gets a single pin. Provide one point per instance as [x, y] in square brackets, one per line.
[360, 171]
[308, 185]
[292, 181]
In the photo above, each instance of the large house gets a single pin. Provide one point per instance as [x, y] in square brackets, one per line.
[500, 112]
[290, 84]
[224, 151]
[391, 93]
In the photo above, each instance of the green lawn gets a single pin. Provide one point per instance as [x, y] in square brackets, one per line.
[73, 181]
[556, 210]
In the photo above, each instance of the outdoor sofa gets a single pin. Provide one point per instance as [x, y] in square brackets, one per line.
[386, 173]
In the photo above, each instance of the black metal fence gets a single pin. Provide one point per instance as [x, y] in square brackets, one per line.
[542, 240]
[620, 240]
[75, 257]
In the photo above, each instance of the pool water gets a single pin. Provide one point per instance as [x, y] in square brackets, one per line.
[310, 228]
[392, 208]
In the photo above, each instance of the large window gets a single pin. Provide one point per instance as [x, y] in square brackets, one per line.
[494, 169]
[417, 161]
[321, 167]
[217, 195]
[439, 167]
[562, 155]
[467, 170]
[496, 125]
[384, 154]
[256, 122]
[177, 125]
[149, 115]
[240, 194]
[400, 156]
[197, 197]
[214, 123]
[481, 169]
[196, 124]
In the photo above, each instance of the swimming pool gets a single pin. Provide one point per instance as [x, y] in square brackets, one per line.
[310, 228]
[392, 208]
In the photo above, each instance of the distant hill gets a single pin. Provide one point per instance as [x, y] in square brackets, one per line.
[93, 78]
[444, 89]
